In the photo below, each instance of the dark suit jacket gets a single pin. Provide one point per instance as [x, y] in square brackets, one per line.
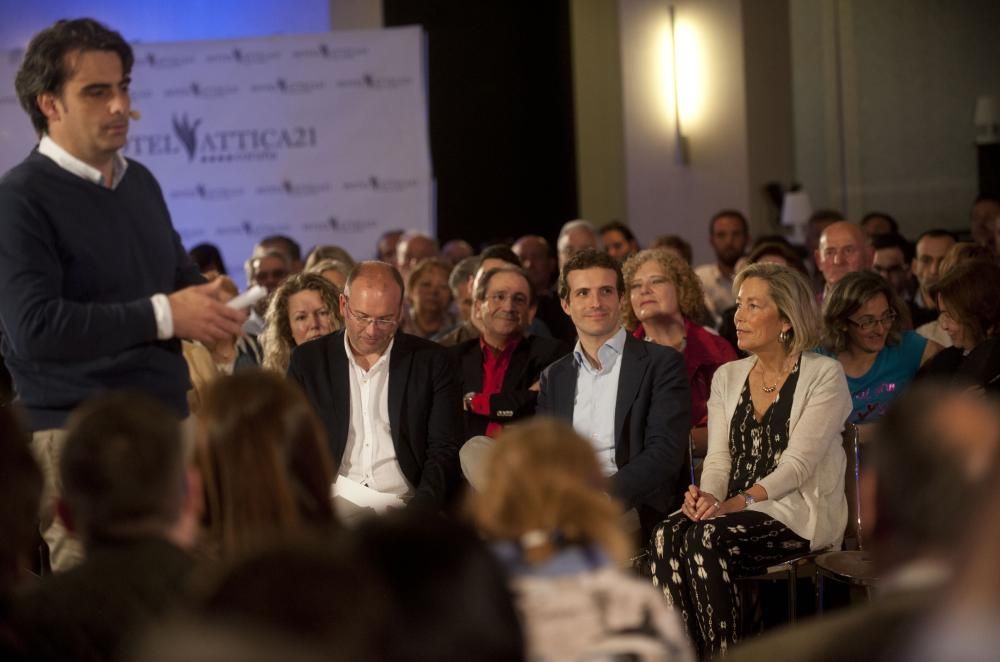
[424, 407]
[515, 400]
[652, 420]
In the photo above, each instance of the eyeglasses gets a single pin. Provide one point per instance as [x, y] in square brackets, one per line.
[500, 298]
[383, 323]
[868, 322]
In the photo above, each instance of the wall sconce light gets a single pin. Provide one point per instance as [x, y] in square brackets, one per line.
[681, 145]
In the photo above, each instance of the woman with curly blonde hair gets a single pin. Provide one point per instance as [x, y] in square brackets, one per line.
[544, 505]
[306, 306]
[663, 301]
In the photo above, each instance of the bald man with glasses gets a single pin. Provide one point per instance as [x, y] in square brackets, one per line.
[389, 401]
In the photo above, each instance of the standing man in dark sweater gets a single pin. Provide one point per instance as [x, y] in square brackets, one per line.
[95, 286]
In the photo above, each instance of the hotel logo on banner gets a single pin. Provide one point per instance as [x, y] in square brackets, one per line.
[343, 225]
[372, 82]
[380, 184]
[287, 187]
[283, 86]
[210, 193]
[151, 59]
[221, 145]
[200, 91]
[327, 53]
[242, 56]
[248, 228]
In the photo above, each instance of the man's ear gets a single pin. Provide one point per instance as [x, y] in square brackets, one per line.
[47, 102]
[65, 515]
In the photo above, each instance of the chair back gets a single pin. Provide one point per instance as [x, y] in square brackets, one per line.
[853, 534]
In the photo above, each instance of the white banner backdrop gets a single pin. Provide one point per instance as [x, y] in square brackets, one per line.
[320, 137]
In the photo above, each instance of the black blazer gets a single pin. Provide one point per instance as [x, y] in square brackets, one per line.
[424, 407]
[515, 400]
[652, 420]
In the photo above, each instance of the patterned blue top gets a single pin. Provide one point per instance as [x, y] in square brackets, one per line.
[894, 368]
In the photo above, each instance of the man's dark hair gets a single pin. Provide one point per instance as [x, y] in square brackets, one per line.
[484, 282]
[44, 68]
[894, 240]
[937, 233]
[871, 216]
[207, 256]
[288, 245]
[825, 216]
[122, 467]
[617, 226]
[675, 242]
[588, 259]
[500, 252]
[734, 213]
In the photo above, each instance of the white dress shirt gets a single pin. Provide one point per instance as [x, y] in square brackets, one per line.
[69, 163]
[597, 398]
[718, 290]
[370, 456]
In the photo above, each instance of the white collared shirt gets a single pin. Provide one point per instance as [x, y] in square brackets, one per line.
[66, 161]
[597, 398]
[71, 164]
[718, 290]
[370, 456]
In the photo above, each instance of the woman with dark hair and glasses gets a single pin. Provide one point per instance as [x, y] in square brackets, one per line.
[863, 322]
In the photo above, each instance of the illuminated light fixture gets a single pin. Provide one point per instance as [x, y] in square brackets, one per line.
[681, 147]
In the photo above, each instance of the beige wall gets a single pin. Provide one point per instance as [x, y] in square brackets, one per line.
[597, 90]
[356, 14]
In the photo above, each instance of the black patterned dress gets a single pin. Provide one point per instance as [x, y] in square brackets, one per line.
[695, 563]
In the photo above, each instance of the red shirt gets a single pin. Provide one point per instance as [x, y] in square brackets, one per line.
[495, 366]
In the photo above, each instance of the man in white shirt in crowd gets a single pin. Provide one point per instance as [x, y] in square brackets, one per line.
[728, 233]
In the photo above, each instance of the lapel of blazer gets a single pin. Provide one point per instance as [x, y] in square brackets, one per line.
[563, 378]
[400, 361]
[635, 360]
[518, 364]
[340, 403]
[472, 369]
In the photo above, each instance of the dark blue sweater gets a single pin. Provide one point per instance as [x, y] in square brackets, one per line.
[78, 264]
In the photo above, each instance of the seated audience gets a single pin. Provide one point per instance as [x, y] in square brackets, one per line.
[819, 221]
[334, 271]
[863, 322]
[663, 298]
[843, 249]
[499, 371]
[129, 496]
[460, 284]
[304, 308]
[385, 247]
[772, 486]
[878, 224]
[209, 260]
[628, 397]
[891, 259]
[428, 298]
[772, 252]
[982, 216]
[545, 508]
[389, 401]
[618, 241]
[269, 271]
[455, 251]
[957, 254]
[328, 252]
[207, 360]
[412, 248]
[283, 245]
[676, 244]
[931, 247]
[265, 464]
[535, 256]
[936, 453]
[728, 233]
[970, 314]
[575, 236]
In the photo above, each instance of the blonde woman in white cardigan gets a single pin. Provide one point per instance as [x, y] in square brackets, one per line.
[773, 480]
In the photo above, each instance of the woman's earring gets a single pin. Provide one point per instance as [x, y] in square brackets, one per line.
[784, 337]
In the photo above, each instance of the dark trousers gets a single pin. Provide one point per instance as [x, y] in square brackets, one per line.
[695, 564]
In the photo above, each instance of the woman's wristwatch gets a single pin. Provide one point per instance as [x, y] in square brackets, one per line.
[748, 500]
